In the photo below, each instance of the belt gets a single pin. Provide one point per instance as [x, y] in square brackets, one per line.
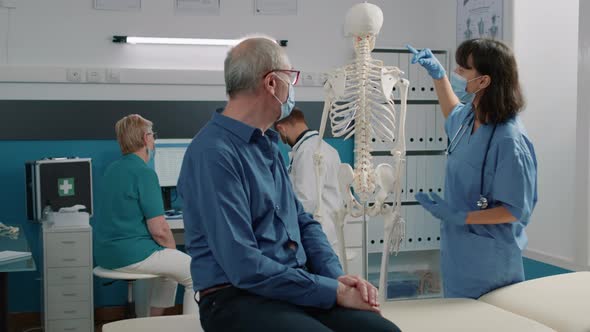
[213, 289]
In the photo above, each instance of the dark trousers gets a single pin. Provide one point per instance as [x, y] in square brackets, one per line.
[232, 309]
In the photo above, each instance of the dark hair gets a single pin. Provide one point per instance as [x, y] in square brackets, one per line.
[503, 98]
[296, 116]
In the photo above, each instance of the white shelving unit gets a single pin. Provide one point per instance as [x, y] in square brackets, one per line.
[418, 260]
[353, 239]
[67, 279]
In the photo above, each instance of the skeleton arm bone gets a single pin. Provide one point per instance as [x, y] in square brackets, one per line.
[345, 178]
[317, 162]
[394, 225]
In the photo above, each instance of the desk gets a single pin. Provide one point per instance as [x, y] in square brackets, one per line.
[19, 265]
[175, 224]
[177, 228]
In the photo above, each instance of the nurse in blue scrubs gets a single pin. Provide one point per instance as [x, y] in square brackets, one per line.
[491, 172]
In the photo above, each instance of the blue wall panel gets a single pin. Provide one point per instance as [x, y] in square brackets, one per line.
[25, 287]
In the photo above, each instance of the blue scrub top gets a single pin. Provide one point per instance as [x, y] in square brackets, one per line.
[476, 259]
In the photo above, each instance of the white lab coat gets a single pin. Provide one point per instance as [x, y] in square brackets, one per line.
[302, 174]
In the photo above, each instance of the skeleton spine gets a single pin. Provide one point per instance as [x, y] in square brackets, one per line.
[365, 175]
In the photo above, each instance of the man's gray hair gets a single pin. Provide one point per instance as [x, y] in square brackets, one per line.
[248, 61]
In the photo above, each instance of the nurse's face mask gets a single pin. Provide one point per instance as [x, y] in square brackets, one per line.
[459, 85]
[151, 146]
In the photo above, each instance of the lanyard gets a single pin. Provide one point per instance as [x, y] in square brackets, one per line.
[483, 201]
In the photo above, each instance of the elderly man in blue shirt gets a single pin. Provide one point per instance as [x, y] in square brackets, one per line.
[259, 262]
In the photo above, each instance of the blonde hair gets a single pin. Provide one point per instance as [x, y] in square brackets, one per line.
[130, 131]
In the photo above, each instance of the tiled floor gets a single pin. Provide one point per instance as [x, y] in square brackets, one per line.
[31, 323]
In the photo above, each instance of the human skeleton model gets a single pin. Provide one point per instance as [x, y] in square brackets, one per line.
[359, 102]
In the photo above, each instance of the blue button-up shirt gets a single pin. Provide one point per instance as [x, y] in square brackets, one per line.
[243, 223]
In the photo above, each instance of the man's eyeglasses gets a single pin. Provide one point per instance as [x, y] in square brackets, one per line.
[155, 134]
[293, 74]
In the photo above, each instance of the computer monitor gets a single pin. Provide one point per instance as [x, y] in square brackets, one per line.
[57, 183]
[167, 163]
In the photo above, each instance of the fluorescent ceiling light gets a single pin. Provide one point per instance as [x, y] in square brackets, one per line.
[182, 41]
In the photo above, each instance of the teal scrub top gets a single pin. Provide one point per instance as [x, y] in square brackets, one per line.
[476, 259]
[130, 196]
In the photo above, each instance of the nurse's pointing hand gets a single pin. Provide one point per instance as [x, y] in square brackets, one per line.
[427, 60]
[440, 209]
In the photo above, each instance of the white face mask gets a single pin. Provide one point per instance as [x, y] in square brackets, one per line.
[459, 85]
[151, 153]
[288, 105]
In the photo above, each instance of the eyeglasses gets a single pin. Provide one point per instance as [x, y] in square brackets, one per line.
[293, 74]
[155, 134]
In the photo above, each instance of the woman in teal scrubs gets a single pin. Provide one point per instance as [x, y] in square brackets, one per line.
[132, 235]
[491, 172]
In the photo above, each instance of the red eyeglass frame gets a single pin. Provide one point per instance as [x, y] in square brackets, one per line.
[297, 72]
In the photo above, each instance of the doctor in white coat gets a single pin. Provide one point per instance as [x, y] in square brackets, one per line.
[303, 141]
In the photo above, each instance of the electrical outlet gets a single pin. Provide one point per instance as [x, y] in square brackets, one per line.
[74, 75]
[95, 75]
[113, 76]
[8, 3]
[309, 79]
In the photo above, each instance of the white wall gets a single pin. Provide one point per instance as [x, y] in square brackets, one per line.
[4, 24]
[546, 47]
[583, 137]
[69, 33]
[65, 33]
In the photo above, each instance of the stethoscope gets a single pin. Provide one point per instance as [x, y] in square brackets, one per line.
[482, 203]
[297, 148]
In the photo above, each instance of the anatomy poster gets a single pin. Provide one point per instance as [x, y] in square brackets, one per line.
[479, 19]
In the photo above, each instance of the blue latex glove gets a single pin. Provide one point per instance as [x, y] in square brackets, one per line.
[427, 60]
[440, 209]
